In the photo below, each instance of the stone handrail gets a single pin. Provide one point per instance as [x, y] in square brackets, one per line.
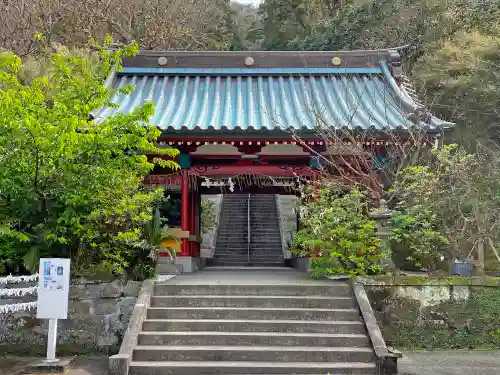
[119, 364]
[386, 359]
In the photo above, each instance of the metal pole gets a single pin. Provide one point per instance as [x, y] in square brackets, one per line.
[52, 341]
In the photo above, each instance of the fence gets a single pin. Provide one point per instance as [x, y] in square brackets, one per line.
[6, 290]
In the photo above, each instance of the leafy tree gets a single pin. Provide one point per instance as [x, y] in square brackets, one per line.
[247, 27]
[154, 24]
[287, 22]
[336, 223]
[460, 79]
[452, 60]
[452, 201]
[71, 186]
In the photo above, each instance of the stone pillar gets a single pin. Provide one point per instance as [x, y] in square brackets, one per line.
[382, 217]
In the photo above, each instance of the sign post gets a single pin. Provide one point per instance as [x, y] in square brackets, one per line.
[53, 293]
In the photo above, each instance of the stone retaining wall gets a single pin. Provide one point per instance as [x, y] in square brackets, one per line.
[98, 316]
[447, 313]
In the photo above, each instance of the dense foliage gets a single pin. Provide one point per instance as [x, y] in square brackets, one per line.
[453, 56]
[71, 186]
[449, 207]
[470, 323]
[337, 226]
[153, 24]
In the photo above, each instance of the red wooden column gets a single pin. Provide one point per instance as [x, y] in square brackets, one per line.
[185, 211]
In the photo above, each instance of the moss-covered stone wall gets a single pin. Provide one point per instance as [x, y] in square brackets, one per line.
[437, 313]
[98, 316]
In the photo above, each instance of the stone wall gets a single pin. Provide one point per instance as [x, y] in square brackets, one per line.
[209, 238]
[97, 319]
[437, 314]
[288, 221]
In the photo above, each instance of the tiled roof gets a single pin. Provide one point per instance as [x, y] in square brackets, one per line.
[270, 99]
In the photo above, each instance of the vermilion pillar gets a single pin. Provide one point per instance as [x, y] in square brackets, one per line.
[185, 212]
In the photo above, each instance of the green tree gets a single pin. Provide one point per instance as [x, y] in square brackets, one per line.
[71, 186]
[452, 60]
[336, 224]
[461, 80]
[450, 206]
[287, 22]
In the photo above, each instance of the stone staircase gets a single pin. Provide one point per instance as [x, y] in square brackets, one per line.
[231, 248]
[265, 239]
[252, 329]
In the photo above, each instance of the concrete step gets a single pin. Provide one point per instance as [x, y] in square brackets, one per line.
[251, 313]
[249, 368]
[277, 251]
[244, 244]
[262, 301]
[254, 338]
[288, 270]
[252, 353]
[253, 259]
[269, 257]
[238, 263]
[303, 326]
[241, 245]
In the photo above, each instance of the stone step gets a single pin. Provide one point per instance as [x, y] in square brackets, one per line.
[288, 270]
[252, 353]
[269, 257]
[304, 326]
[254, 338]
[238, 263]
[239, 242]
[251, 259]
[264, 254]
[232, 313]
[239, 248]
[243, 241]
[256, 251]
[249, 368]
[253, 251]
[262, 301]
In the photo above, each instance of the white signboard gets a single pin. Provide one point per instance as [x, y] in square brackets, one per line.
[53, 288]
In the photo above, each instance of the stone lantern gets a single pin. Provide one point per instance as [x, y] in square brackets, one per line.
[382, 217]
